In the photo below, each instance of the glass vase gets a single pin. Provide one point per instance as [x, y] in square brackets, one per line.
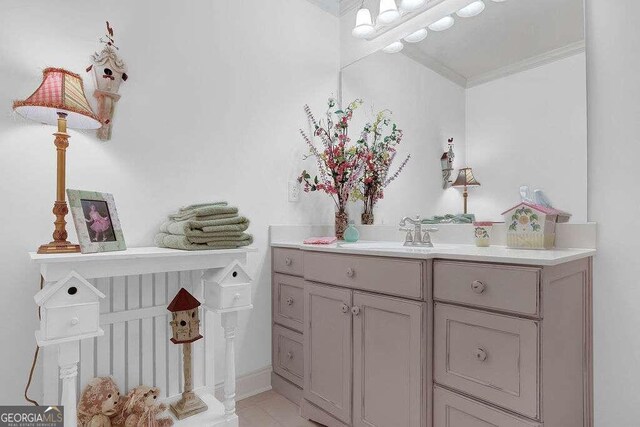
[342, 220]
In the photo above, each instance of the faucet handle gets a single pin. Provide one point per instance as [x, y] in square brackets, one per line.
[409, 237]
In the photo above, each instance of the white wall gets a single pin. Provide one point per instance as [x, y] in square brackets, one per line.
[211, 111]
[429, 109]
[613, 61]
[530, 129]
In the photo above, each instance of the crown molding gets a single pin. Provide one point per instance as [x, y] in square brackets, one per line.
[332, 6]
[434, 65]
[347, 6]
[528, 64]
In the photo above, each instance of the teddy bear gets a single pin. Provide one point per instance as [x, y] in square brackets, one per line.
[99, 402]
[140, 409]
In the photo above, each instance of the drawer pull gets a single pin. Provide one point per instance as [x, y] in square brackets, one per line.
[290, 355]
[345, 308]
[350, 272]
[355, 310]
[478, 286]
[237, 297]
[288, 261]
[480, 354]
[75, 321]
[290, 301]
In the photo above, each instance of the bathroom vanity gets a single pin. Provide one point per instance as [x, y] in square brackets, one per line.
[453, 336]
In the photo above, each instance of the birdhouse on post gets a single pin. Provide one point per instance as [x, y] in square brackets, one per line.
[69, 310]
[228, 288]
[185, 323]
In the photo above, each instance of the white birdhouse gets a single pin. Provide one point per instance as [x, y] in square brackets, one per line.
[228, 288]
[69, 309]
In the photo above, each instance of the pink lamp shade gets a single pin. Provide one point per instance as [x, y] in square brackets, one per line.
[61, 91]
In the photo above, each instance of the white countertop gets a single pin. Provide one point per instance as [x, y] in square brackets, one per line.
[499, 254]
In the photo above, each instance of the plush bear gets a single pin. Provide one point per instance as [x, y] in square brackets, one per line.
[140, 409]
[99, 402]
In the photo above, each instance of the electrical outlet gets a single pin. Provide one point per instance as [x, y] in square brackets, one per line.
[294, 191]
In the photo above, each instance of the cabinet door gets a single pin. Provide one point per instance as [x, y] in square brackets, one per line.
[327, 349]
[388, 350]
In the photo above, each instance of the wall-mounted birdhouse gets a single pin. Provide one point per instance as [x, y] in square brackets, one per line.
[185, 318]
[69, 309]
[446, 162]
[109, 71]
[228, 288]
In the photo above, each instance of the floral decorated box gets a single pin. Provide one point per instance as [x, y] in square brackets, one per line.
[532, 226]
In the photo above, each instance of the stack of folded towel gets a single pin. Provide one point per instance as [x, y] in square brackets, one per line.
[204, 226]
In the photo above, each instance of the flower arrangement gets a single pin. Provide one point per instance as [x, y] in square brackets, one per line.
[340, 164]
[378, 141]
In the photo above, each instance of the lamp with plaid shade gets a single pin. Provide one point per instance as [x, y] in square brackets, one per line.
[60, 100]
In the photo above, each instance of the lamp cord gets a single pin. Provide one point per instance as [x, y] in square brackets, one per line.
[33, 364]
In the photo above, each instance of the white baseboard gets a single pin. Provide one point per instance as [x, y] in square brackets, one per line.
[248, 385]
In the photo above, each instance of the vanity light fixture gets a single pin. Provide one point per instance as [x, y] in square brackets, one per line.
[473, 9]
[442, 24]
[388, 11]
[394, 47]
[364, 24]
[417, 36]
[411, 5]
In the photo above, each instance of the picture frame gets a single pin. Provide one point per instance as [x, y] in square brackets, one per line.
[96, 220]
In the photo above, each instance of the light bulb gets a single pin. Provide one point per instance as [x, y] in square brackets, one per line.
[364, 24]
[442, 24]
[394, 47]
[416, 36]
[410, 5]
[388, 12]
[474, 9]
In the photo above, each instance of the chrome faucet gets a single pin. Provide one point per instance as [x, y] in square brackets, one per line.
[417, 238]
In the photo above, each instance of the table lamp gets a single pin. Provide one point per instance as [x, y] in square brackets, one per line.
[60, 100]
[465, 179]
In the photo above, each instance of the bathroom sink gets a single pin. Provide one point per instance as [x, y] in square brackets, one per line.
[382, 245]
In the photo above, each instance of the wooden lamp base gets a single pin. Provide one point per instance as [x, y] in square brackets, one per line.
[60, 245]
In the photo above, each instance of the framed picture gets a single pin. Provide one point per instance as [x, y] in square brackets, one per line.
[96, 220]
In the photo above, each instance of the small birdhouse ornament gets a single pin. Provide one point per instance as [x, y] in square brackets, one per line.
[185, 319]
[109, 71]
[228, 288]
[446, 162]
[185, 324]
[69, 310]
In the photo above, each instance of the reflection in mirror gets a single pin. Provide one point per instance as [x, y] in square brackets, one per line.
[508, 84]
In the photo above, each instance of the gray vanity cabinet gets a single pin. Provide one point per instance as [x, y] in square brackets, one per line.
[328, 349]
[388, 351]
[383, 337]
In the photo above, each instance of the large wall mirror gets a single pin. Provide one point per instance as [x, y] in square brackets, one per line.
[508, 85]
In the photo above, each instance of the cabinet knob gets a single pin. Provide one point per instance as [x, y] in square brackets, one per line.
[355, 310]
[75, 321]
[288, 261]
[290, 301]
[350, 272]
[480, 354]
[345, 308]
[290, 355]
[237, 296]
[478, 286]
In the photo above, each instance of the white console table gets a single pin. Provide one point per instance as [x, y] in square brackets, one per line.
[135, 349]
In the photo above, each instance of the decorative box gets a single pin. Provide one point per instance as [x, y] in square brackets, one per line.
[532, 226]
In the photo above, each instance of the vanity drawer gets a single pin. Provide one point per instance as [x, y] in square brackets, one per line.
[453, 410]
[287, 261]
[499, 287]
[489, 356]
[383, 275]
[288, 301]
[288, 354]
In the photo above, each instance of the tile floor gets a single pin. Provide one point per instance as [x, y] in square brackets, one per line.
[270, 409]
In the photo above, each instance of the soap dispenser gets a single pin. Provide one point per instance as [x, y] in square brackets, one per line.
[351, 234]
